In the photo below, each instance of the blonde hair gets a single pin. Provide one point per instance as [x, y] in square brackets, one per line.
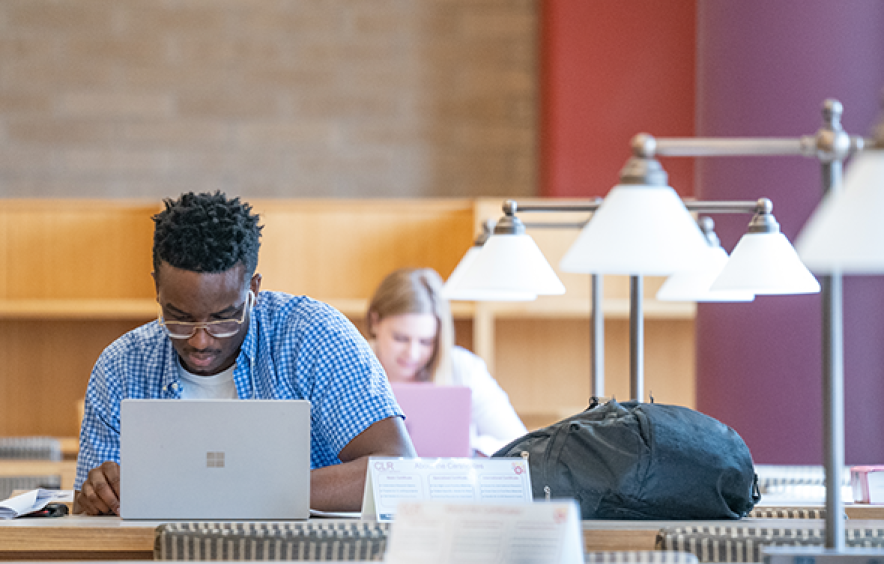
[417, 290]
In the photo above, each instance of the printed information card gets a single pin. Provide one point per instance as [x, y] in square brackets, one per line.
[493, 480]
[448, 533]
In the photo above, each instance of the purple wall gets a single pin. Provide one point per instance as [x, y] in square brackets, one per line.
[764, 68]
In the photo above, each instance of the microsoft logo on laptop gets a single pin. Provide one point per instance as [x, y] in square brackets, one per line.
[214, 460]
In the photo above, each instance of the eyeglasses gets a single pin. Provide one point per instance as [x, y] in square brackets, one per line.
[220, 329]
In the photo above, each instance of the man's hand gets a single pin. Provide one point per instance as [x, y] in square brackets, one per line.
[100, 493]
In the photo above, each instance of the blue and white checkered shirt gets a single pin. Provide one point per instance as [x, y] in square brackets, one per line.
[296, 348]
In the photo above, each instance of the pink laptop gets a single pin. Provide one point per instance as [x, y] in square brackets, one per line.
[436, 417]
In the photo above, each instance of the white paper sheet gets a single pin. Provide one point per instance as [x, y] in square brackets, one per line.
[435, 532]
[32, 500]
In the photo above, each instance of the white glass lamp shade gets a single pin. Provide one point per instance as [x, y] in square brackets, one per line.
[454, 289]
[766, 263]
[694, 285]
[510, 264]
[637, 230]
[846, 232]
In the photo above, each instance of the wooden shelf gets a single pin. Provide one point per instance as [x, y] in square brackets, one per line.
[138, 308]
[355, 308]
[538, 351]
[125, 308]
[563, 308]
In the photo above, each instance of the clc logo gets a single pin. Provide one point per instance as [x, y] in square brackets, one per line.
[383, 466]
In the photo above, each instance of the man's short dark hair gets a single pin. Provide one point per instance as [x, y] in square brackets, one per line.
[206, 233]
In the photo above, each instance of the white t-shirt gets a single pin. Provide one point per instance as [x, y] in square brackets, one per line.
[217, 386]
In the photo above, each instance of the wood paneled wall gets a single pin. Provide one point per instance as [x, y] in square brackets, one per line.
[74, 275]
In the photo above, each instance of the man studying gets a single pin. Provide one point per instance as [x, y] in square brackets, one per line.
[218, 336]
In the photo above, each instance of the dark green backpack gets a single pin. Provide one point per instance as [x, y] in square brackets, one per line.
[641, 461]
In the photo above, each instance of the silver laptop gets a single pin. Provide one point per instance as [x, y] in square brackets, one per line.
[215, 459]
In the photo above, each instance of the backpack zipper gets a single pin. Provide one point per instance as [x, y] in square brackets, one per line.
[546, 489]
[559, 435]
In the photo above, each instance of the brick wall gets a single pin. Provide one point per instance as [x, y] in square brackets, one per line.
[268, 98]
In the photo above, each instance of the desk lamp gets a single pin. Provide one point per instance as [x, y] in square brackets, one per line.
[844, 235]
[763, 262]
[488, 283]
[846, 231]
[508, 265]
[455, 289]
[694, 285]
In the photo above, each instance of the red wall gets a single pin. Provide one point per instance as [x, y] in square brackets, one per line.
[610, 70]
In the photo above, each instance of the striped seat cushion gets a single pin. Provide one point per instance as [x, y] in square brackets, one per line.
[639, 557]
[9, 484]
[787, 513]
[774, 477]
[743, 544]
[321, 540]
[24, 448]
[35, 448]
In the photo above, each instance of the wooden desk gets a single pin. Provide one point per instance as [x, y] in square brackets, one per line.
[80, 537]
[642, 535]
[76, 538]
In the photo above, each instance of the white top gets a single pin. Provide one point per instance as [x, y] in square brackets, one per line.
[494, 421]
[217, 386]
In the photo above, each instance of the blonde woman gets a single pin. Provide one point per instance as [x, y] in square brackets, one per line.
[412, 333]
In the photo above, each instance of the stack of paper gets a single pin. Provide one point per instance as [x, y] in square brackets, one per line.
[30, 501]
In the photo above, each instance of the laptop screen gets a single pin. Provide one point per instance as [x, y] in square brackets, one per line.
[437, 417]
[215, 459]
